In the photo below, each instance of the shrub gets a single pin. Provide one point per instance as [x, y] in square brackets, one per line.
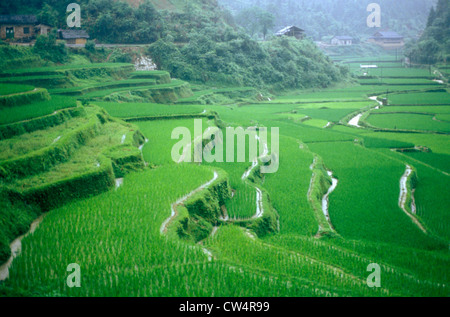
[47, 48]
[278, 63]
[90, 46]
[118, 56]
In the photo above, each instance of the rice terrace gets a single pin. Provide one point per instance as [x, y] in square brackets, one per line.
[119, 176]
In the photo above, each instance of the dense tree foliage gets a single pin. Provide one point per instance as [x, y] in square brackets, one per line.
[280, 63]
[434, 44]
[105, 20]
[47, 48]
[118, 22]
[255, 21]
[200, 42]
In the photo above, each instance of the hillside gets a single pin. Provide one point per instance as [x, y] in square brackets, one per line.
[199, 42]
[88, 159]
[240, 168]
[321, 18]
[434, 44]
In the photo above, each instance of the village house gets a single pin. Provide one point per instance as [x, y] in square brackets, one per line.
[388, 39]
[21, 28]
[292, 31]
[342, 40]
[74, 36]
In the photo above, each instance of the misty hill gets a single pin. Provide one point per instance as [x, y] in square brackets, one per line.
[434, 45]
[321, 18]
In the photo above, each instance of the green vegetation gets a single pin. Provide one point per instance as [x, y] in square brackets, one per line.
[407, 121]
[323, 19]
[433, 47]
[130, 110]
[23, 98]
[373, 179]
[9, 89]
[427, 98]
[231, 61]
[34, 110]
[47, 48]
[18, 57]
[92, 154]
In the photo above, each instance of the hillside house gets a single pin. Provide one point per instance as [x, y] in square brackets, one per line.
[292, 31]
[74, 36]
[388, 39]
[342, 40]
[21, 28]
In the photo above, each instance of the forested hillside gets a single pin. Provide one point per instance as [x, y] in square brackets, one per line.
[434, 44]
[197, 41]
[322, 18]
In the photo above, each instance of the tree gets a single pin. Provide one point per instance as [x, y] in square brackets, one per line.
[256, 20]
[47, 48]
[433, 45]
[248, 19]
[266, 22]
[47, 15]
[431, 17]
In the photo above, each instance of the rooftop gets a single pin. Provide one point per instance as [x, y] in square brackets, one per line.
[74, 34]
[343, 37]
[387, 35]
[18, 19]
[289, 29]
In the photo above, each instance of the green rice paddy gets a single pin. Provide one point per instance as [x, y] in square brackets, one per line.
[117, 237]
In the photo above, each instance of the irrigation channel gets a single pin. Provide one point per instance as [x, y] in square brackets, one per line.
[259, 196]
[182, 200]
[403, 180]
[354, 122]
[16, 249]
[259, 201]
[403, 196]
[325, 199]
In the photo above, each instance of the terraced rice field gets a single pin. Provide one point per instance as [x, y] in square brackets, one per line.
[141, 224]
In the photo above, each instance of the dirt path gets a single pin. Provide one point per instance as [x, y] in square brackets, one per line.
[180, 201]
[16, 249]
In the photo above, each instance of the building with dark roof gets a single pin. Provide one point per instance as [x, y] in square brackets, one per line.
[21, 27]
[388, 39]
[74, 36]
[342, 40]
[292, 31]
